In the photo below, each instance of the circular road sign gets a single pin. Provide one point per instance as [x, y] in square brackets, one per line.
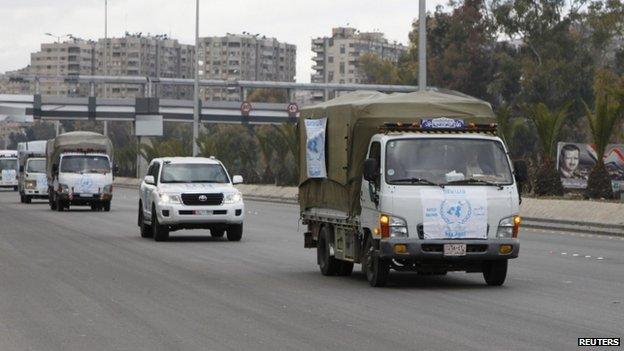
[245, 108]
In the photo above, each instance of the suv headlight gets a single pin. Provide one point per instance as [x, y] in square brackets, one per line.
[233, 198]
[170, 198]
[508, 227]
[392, 227]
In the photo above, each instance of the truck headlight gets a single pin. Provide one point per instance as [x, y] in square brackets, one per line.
[63, 188]
[508, 227]
[30, 184]
[233, 198]
[108, 189]
[170, 198]
[392, 227]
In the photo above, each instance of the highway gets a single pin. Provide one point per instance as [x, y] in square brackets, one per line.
[85, 280]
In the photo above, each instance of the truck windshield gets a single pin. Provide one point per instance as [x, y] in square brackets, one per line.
[85, 164]
[446, 161]
[36, 166]
[8, 163]
[193, 173]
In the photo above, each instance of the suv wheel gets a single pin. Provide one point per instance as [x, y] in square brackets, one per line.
[146, 230]
[235, 232]
[217, 233]
[160, 232]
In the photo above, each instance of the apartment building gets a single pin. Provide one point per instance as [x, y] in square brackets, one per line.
[244, 57]
[138, 55]
[70, 58]
[337, 57]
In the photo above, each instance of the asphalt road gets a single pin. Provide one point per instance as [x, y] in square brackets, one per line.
[82, 280]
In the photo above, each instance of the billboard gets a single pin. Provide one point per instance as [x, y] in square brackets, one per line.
[575, 161]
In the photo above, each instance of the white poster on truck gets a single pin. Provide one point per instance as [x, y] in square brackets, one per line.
[9, 175]
[454, 213]
[315, 147]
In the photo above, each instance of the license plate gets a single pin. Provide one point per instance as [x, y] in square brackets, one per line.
[203, 212]
[86, 195]
[454, 249]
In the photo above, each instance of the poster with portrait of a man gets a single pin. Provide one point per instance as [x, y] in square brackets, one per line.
[575, 161]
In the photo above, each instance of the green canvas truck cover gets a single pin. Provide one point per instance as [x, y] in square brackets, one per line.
[74, 141]
[352, 119]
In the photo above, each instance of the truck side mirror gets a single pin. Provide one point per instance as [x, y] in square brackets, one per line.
[21, 169]
[520, 171]
[237, 179]
[371, 169]
[55, 168]
[149, 180]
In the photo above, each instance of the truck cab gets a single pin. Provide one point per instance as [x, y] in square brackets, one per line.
[441, 201]
[190, 193]
[8, 169]
[33, 182]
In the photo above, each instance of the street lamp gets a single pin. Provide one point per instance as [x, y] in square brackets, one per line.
[196, 84]
[422, 45]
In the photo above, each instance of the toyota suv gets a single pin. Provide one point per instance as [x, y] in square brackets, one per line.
[190, 193]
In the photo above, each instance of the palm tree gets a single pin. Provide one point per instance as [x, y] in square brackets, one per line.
[602, 123]
[548, 124]
[509, 127]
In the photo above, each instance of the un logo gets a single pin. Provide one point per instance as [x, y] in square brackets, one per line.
[455, 211]
[85, 184]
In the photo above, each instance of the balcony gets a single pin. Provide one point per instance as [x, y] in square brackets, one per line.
[318, 49]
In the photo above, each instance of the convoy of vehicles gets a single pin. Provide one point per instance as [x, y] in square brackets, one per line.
[33, 182]
[80, 171]
[190, 193]
[8, 169]
[413, 182]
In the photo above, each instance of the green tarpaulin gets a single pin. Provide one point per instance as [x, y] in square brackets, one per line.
[352, 119]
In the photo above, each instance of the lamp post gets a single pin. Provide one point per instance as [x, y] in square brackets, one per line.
[105, 63]
[196, 84]
[57, 124]
[422, 45]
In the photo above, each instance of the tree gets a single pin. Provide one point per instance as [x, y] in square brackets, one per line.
[377, 70]
[548, 124]
[509, 127]
[602, 123]
[268, 95]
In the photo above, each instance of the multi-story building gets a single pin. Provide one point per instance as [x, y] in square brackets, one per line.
[337, 57]
[9, 85]
[151, 56]
[70, 58]
[244, 57]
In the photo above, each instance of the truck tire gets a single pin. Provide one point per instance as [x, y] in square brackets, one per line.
[14, 188]
[146, 230]
[27, 199]
[495, 272]
[375, 269]
[22, 198]
[327, 264]
[107, 206]
[160, 232]
[345, 268]
[217, 233]
[52, 202]
[235, 232]
[59, 205]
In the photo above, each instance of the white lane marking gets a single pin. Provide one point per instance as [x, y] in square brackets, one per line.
[600, 258]
[575, 255]
[564, 253]
[587, 256]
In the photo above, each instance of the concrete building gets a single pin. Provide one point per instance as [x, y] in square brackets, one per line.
[16, 86]
[70, 58]
[244, 57]
[337, 57]
[138, 55]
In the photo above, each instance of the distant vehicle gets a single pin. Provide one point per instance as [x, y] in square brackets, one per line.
[8, 169]
[411, 182]
[33, 182]
[190, 193]
[80, 171]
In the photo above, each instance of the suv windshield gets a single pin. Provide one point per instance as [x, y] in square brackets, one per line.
[446, 161]
[36, 166]
[85, 164]
[8, 163]
[193, 173]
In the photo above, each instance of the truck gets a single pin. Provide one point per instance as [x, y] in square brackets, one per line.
[8, 169]
[32, 179]
[417, 182]
[79, 169]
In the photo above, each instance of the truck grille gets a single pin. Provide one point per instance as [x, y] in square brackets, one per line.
[202, 199]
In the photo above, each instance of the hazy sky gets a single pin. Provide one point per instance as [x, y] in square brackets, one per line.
[24, 22]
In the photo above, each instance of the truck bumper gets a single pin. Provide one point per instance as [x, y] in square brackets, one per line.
[78, 200]
[188, 217]
[36, 193]
[433, 250]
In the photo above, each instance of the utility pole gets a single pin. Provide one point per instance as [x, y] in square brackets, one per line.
[57, 124]
[196, 84]
[422, 45]
[105, 52]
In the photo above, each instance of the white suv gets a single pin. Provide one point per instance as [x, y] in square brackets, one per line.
[190, 193]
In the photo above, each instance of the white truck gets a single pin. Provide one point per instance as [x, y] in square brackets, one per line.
[8, 169]
[410, 182]
[190, 193]
[80, 171]
[33, 182]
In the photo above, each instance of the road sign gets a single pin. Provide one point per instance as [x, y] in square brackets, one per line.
[292, 109]
[245, 108]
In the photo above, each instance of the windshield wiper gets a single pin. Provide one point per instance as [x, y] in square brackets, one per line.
[474, 180]
[204, 181]
[418, 180]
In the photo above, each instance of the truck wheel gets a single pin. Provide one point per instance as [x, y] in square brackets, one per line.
[495, 272]
[52, 202]
[217, 233]
[14, 188]
[22, 198]
[160, 232]
[235, 232]
[27, 199]
[107, 206]
[146, 230]
[375, 269]
[328, 264]
[345, 268]
[58, 204]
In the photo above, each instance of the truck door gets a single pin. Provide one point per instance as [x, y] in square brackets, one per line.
[369, 194]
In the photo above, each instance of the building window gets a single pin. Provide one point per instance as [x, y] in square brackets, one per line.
[342, 49]
[342, 67]
[330, 59]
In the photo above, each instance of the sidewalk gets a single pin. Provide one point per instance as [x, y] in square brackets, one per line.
[596, 217]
